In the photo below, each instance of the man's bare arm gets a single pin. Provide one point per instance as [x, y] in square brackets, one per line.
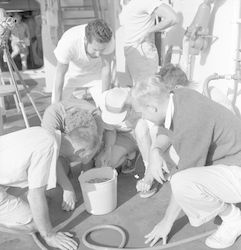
[59, 81]
[106, 71]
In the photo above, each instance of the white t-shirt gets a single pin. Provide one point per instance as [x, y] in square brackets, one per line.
[71, 50]
[137, 18]
[28, 158]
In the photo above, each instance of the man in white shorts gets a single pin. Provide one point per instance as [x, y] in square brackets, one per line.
[84, 55]
[206, 180]
[28, 159]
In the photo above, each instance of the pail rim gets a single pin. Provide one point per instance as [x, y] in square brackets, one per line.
[115, 173]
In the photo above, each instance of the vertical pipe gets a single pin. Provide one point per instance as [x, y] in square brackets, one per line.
[235, 47]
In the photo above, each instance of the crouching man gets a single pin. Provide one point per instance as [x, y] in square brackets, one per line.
[66, 116]
[207, 139]
[28, 159]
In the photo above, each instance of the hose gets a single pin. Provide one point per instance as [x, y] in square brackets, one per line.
[123, 243]
[38, 242]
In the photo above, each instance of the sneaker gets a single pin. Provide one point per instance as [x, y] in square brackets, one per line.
[225, 236]
[129, 166]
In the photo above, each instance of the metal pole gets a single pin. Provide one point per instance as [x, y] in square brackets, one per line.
[16, 88]
[23, 83]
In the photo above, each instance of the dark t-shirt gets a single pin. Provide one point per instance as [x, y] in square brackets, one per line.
[54, 115]
[203, 132]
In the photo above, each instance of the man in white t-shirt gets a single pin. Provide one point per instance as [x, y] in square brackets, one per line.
[84, 55]
[138, 18]
[28, 159]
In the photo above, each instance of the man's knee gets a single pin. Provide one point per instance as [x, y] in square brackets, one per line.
[178, 183]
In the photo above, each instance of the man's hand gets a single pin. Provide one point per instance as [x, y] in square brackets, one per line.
[104, 157]
[161, 230]
[61, 240]
[144, 185]
[158, 165]
[69, 200]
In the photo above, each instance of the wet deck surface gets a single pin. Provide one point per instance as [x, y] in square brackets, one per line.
[136, 216]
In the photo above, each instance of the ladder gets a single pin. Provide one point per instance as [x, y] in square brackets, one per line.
[77, 12]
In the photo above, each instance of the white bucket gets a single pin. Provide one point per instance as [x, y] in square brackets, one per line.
[99, 198]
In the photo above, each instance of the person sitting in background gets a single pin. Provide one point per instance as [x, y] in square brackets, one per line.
[28, 159]
[66, 116]
[119, 137]
[207, 139]
[20, 40]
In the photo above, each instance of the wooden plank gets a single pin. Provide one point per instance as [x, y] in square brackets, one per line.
[77, 14]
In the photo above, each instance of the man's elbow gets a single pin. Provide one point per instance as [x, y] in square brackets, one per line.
[175, 20]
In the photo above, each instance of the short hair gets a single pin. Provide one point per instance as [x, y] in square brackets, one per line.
[148, 89]
[87, 138]
[173, 76]
[99, 31]
[78, 117]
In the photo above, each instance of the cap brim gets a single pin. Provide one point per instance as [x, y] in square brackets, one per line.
[108, 117]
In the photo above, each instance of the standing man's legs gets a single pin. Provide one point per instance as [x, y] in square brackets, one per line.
[142, 61]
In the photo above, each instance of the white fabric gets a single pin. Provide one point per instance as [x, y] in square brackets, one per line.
[137, 17]
[204, 192]
[28, 158]
[170, 112]
[142, 60]
[83, 71]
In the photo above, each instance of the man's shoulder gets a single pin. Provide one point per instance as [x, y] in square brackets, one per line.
[75, 31]
[53, 118]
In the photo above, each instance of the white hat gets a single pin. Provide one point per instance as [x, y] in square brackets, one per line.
[114, 106]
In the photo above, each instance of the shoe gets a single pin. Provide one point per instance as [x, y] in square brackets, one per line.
[153, 190]
[225, 236]
[129, 166]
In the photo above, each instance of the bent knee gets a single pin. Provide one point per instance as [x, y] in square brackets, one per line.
[179, 182]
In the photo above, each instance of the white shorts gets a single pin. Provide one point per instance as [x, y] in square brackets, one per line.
[13, 210]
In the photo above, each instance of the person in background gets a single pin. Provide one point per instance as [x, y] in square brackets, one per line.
[20, 40]
[138, 18]
[84, 55]
[66, 116]
[207, 139]
[28, 160]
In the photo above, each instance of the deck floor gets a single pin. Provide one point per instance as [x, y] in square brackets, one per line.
[136, 216]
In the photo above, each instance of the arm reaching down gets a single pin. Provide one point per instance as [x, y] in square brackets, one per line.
[59, 81]
[39, 209]
[163, 228]
[106, 72]
[69, 197]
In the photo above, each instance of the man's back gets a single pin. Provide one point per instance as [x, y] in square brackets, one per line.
[204, 132]
[27, 156]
